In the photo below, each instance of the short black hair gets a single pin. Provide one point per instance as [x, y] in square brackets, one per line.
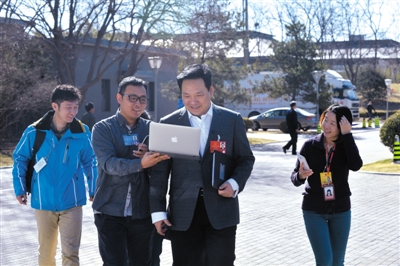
[195, 71]
[89, 106]
[134, 81]
[65, 92]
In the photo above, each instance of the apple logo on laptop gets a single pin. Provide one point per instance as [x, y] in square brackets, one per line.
[174, 139]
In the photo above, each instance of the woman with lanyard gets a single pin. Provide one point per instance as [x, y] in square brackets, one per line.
[326, 203]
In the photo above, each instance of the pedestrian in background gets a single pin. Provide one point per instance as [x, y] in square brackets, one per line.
[292, 125]
[58, 186]
[370, 107]
[202, 219]
[88, 117]
[326, 202]
[121, 203]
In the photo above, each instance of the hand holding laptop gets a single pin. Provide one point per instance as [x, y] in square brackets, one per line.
[152, 158]
[142, 149]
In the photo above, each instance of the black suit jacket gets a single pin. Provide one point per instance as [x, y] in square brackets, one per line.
[291, 120]
[186, 177]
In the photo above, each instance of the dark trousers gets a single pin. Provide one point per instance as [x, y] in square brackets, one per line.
[201, 244]
[157, 248]
[292, 142]
[370, 115]
[124, 241]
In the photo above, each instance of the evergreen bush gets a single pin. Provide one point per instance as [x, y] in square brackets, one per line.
[389, 129]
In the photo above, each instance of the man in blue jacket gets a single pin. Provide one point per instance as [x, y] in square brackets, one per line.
[58, 187]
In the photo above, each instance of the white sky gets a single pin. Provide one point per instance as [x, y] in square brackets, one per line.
[390, 13]
[390, 10]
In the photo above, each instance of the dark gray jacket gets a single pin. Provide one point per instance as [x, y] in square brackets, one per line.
[118, 168]
[186, 177]
[89, 120]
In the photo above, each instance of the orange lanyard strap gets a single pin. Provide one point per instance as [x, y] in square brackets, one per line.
[329, 159]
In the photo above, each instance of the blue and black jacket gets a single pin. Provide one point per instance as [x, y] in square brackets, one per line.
[60, 184]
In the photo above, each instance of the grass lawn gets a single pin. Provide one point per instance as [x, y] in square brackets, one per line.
[396, 88]
[5, 160]
[384, 166]
[254, 141]
[395, 95]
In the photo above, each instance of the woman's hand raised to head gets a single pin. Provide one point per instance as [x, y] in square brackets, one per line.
[345, 126]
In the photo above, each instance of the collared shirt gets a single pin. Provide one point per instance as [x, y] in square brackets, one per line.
[204, 123]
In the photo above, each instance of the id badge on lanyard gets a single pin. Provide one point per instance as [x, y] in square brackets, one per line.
[326, 178]
[130, 140]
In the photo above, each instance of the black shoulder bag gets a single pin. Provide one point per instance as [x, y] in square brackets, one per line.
[39, 138]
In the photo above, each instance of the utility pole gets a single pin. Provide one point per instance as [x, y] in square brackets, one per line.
[246, 34]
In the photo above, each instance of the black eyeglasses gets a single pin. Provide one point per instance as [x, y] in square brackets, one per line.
[134, 98]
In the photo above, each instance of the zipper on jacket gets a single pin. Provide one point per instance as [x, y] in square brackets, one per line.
[75, 197]
[66, 152]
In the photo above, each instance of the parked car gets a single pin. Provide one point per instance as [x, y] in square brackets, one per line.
[276, 119]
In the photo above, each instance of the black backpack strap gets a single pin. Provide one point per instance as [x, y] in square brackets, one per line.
[39, 138]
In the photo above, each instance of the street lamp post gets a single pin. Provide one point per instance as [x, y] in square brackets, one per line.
[317, 74]
[387, 82]
[155, 64]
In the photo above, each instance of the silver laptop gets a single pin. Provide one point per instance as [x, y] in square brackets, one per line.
[176, 141]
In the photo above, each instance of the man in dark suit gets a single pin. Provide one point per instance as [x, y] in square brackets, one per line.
[370, 107]
[292, 125]
[88, 117]
[201, 220]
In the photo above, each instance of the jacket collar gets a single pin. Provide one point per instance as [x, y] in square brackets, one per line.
[215, 122]
[183, 116]
[122, 121]
[44, 123]
[318, 141]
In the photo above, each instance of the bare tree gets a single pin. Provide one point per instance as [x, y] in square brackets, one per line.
[211, 34]
[26, 79]
[373, 12]
[349, 31]
[69, 25]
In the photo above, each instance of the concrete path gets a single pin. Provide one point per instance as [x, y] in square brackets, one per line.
[271, 231]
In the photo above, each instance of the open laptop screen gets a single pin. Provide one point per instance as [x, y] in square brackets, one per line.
[176, 141]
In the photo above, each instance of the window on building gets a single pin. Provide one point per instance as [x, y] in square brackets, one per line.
[106, 95]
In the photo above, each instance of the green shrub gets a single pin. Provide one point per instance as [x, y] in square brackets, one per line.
[249, 123]
[389, 129]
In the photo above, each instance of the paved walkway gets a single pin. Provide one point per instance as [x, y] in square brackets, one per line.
[271, 231]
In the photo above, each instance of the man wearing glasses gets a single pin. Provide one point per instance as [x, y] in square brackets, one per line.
[121, 202]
